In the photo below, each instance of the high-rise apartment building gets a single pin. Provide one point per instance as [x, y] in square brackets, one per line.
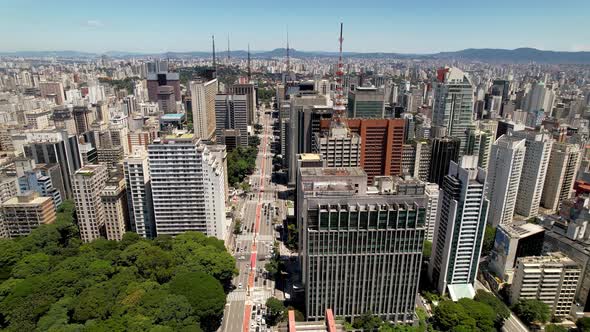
[139, 193]
[25, 212]
[166, 99]
[422, 159]
[231, 112]
[366, 102]
[552, 279]
[381, 144]
[54, 147]
[432, 191]
[114, 201]
[506, 162]
[561, 173]
[360, 251]
[458, 233]
[88, 183]
[339, 147]
[162, 78]
[53, 90]
[248, 90]
[534, 170]
[203, 103]
[453, 104]
[187, 186]
[443, 151]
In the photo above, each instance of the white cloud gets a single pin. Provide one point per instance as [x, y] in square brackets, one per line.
[581, 48]
[94, 23]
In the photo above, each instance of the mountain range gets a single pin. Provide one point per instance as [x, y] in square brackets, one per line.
[519, 55]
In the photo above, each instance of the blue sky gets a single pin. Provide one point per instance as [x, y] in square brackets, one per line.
[389, 26]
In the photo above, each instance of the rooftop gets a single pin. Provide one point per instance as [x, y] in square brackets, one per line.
[336, 172]
[172, 117]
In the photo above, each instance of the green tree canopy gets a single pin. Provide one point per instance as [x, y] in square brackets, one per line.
[531, 311]
[583, 324]
[50, 281]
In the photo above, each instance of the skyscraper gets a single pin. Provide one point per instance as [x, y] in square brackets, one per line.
[458, 233]
[506, 162]
[248, 90]
[534, 170]
[444, 150]
[88, 183]
[366, 102]
[114, 201]
[561, 173]
[360, 251]
[187, 186]
[203, 103]
[432, 191]
[231, 112]
[139, 193]
[381, 144]
[339, 147]
[453, 104]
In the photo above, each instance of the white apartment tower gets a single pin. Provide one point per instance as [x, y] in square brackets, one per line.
[203, 108]
[561, 173]
[432, 193]
[505, 168]
[188, 187]
[87, 184]
[552, 279]
[453, 104]
[339, 147]
[139, 193]
[459, 230]
[536, 160]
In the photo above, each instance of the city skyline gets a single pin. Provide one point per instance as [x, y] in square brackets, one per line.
[396, 27]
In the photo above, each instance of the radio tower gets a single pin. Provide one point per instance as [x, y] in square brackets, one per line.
[339, 106]
[214, 63]
[249, 70]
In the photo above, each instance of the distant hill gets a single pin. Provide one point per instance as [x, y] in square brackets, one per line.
[519, 55]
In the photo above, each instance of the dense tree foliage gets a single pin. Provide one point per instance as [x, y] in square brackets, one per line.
[52, 282]
[275, 310]
[485, 313]
[583, 324]
[427, 250]
[501, 310]
[488, 240]
[127, 84]
[241, 162]
[266, 94]
[555, 328]
[530, 311]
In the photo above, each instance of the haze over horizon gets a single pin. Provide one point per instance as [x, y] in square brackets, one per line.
[382, 26]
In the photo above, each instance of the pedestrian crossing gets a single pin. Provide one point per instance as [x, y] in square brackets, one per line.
[238, 295]
[250, 237]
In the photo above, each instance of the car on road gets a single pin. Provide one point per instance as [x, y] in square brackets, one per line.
[240, 285]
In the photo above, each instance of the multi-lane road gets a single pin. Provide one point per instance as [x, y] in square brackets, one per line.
[253, 246]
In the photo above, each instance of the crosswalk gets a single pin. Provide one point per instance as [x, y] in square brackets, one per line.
[238, 295]
[250, 237]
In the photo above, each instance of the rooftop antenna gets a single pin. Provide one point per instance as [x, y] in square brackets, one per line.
[339, 107]
[228, 52]
[214, 63]
[249, 70]
[288, 57]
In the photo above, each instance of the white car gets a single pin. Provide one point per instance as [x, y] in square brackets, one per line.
[240, 285]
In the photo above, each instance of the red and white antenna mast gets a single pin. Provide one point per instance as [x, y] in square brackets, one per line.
[339, 102]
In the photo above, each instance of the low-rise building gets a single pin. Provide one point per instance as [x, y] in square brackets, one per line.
[25, 212]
